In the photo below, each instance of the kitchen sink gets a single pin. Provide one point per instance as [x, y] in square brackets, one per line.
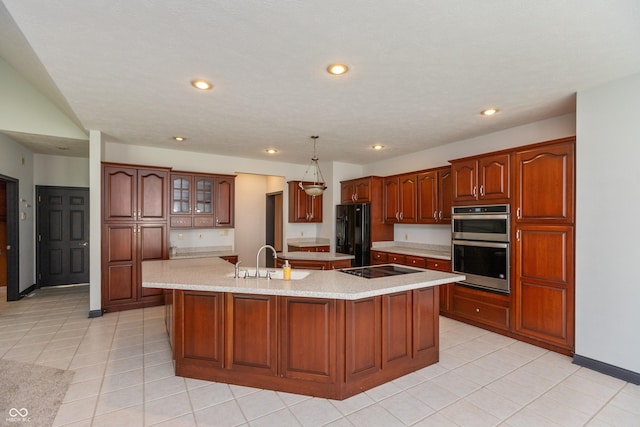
[274, 274]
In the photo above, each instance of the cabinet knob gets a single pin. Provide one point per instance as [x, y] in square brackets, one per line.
[435, 215]
[477, 310]
[482, 190]
[475, 191]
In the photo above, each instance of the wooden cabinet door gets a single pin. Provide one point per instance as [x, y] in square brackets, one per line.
[152, 245]
[428, 208]
[302, 207]
[202, 194]
[224, 205]
[545, 184]
[408, 198]
[445, 195]
[252, 333]
[310, 324]
[362, 190]
[543, 291]
[153, 194]
[120, 264]
[397, 329]
[391, 199]
[347, 192]
[363, 337]
[181, 186]
[119, 189]
[465, 180]
[199, 328]
[494, 177]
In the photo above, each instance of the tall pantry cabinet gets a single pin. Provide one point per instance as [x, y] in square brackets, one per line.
[543, 287]
[134, 229]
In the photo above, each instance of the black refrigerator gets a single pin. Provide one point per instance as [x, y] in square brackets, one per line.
[353, 231]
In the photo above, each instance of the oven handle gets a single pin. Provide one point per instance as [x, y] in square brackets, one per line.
[481, 244]
[480, 216]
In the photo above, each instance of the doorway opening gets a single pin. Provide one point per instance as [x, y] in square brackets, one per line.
[9, 238]
[274, 224]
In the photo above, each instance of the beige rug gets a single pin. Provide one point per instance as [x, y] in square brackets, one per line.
[30, 395]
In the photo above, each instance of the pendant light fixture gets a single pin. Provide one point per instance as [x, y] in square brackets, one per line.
[315, 187]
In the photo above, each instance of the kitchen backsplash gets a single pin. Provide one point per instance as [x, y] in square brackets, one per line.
[195, 238]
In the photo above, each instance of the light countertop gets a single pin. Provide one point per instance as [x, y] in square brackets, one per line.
[414, 249]
[315, 256]
[216, 275]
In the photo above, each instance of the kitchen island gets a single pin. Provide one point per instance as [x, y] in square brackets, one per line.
[326, 333]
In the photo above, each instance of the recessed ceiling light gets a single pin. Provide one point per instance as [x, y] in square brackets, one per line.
[378, 147]
[337, 69]
[179, 138]
[489, 111]
[201, 84]
[271, 151]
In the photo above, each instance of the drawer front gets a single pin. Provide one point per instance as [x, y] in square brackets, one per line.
[378, 257]
[322, 248]
[489, 314]
[395, 259]
[415, 261]
[180, 221]
[438, 264]
[203, 221]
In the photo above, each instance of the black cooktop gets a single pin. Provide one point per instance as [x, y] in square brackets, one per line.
[376, 271]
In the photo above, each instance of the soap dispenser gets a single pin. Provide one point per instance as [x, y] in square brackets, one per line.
[286, 270]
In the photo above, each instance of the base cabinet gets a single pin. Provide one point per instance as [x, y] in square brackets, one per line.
[315, 346]
[543, 292]
[307, 264]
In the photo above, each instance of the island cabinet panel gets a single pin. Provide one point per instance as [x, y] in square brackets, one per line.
[308, 339]
[397, 320]
[330, 348]
[426, 343]
[201, 327]
[252, 333]
[363, 338]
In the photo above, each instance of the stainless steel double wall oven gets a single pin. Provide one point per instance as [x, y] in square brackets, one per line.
[481, 245]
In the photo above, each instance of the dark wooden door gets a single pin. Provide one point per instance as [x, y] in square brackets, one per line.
[224, 201]
[408, 198]
[391, 200]
[445, 195]
[62, 230]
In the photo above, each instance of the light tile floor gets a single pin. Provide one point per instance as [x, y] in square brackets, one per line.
[124, 377]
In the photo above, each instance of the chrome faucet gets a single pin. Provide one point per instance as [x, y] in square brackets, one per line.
[275, 256]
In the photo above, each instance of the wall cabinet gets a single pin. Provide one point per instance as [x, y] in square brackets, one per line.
[545, 183]
[369, 190]
[134, 194]
[400, 198]
[484, 179]
[202, 200]
[134, 229]
[356, 190]
[434, 190]
[543, 289]
[302, 207]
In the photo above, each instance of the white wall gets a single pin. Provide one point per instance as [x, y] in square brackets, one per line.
[608, 202]
[60, 171]
[554, 128]
[17, 162]
[24, 109]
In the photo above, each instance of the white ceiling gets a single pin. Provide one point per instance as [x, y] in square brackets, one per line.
[421, 70]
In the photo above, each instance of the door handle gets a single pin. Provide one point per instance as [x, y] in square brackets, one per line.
[84, 243]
